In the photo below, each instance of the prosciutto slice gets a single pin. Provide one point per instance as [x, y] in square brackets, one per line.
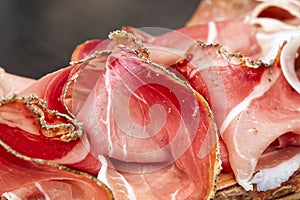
[134, 119]
[228, 74]
[141, 112]
[22, 177]
[244, 40]
[221, 10]
[286, 121]
[116, 113]
[53, 134]
[223, 73]
[274, 23]
[246, 118]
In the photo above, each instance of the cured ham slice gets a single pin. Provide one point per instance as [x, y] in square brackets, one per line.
[59, 133]
[213, 66]
[253, 76]
[134, 119]
[271, 128]
[244, 40]
[22, 177]
[273, 14]
[140, 119]
[37, 116]
[221, 10]
[52, 134]
[276, 22]
[246, 118]
[141, 112]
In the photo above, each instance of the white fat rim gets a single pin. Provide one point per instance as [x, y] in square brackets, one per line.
[102, 175]
[285, 5]
[272, 25]
[287, 59]
[10, 196]
[271, 178]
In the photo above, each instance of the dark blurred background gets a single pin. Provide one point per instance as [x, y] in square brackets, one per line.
[38, 36]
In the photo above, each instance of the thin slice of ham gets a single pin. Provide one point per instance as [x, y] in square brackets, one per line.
[262, 127]
[271, 14]
[23, 177]
[134, 124]
[184, 146]
[45, 95]
[247, 118]
[244, 40]
[220, 10]
[48, 94]
[117, 89]
[213, 66]
[28, 120]
[209, 33]
[277, 22]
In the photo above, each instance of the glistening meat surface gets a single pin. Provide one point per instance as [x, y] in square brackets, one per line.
[135, 119]
[125, 95]
[246, 95]
[22, 177]
[130, 110]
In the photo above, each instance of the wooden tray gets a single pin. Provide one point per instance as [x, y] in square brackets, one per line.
[229, 189]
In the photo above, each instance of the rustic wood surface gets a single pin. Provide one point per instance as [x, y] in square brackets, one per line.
[229, 189]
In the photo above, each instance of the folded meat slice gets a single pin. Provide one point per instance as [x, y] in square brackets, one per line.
[221, 10]
[249, 101]
[153, 134]
[243, 40]
[222, 73]
[23, 177]
[225, 74]
[259, 27]
[61, 136]
[271, 14]
[140, 120]
[54, 135]
[266, 118]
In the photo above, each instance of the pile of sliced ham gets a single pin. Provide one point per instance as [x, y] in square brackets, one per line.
[138, 116]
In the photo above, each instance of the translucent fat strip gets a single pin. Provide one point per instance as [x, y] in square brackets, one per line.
[103, 177]
[174, 194]
[130, 192]
[42, 191]
[10, 196]
[102, 173]
[212, 32]
[109, 104]
[124, 151]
